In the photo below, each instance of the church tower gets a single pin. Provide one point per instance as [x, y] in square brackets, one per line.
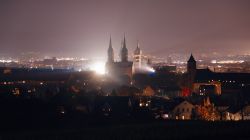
[124, 51]
[110, 52]
[191, 65]
[137, 58]
[191, 71]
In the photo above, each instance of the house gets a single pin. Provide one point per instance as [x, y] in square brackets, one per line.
[183, 111]
[236, 114]
[233, 114]
[174, 109]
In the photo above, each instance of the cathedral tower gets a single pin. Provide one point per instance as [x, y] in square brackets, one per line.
[110, 52]
[137, 58]
[124, 51]
[119, 71]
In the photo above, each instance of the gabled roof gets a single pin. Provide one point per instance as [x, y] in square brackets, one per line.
[185, 102]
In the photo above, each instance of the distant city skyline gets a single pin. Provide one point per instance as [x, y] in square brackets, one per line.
[82, 28]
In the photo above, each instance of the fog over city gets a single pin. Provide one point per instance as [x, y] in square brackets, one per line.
[82, 27]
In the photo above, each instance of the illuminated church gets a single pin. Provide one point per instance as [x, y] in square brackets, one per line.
[205, 81]
[120, 71]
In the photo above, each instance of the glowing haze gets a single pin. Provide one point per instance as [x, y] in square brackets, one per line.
[98, 67]
[82, 27]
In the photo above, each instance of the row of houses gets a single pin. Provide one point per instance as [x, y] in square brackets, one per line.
[185, 110]
[172, 109]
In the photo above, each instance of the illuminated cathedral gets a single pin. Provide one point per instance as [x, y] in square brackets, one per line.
[119, 71]
[122, 71]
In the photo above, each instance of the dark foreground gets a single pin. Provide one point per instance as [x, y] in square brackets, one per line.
[174, 130]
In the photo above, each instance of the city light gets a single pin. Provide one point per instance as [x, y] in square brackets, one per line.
[230, 61]
[98, 67]
[150, 69]
[213, 61]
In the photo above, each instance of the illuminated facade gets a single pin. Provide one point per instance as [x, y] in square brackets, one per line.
[137, 59]
[183, 111]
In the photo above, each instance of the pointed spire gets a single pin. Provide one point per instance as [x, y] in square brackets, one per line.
[191, 58]
[124, 51]
[124, 41]
[110, 51]
[138, 45]
[137, 49]
[110, 42]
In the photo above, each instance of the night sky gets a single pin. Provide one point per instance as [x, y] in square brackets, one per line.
[82, 27]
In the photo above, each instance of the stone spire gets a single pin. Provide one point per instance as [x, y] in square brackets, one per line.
[110, 51]
[124, 51]
[191, 58]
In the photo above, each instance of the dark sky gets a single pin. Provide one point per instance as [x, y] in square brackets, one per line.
[82, 27]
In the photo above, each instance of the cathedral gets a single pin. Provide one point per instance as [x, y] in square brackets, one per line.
[120, 71]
